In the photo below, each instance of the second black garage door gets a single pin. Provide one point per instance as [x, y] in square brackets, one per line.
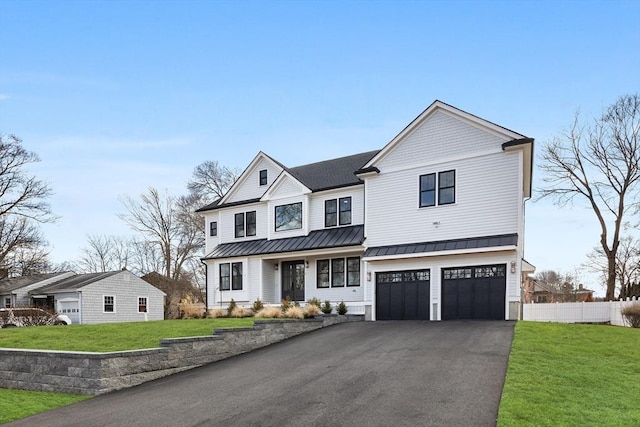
[403, 295]
[474, 292]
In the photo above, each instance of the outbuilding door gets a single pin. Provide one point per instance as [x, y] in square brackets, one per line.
[474, 292]
[403, 295]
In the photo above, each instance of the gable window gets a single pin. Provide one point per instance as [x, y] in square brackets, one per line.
[263, 177]
[236, 276]
[445, 188]
[322, 266]
[331, 216]
[225, 277]
[109, 304]
[288, 217]
[245, 224]
[142, 304]
[213, 228]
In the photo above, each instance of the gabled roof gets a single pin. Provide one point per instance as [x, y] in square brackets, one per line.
[444, 245]
[451, 110]
[10, 285]
[317, 239]
[76, 282]
[319, 176]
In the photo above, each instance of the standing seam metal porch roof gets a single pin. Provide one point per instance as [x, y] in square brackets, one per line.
[444, 245]
[317, 239]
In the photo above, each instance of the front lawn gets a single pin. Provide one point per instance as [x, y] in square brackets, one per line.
[16, 404]
[572, 375]
[112, 336]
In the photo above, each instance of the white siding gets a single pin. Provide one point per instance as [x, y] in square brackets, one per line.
[487, 202]
[335, 295]
[250, 188]
[126, 288]
[287, 187]
[441, 136]
[250, 283]
[211, 242]
[226, 222]
[271, 233]
[316, 211]
[270, 282]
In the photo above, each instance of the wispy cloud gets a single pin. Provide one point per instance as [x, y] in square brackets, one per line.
[4, 97]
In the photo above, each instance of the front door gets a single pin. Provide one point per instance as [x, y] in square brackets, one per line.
[293, 280]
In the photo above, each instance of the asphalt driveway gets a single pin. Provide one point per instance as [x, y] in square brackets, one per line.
[357, 374]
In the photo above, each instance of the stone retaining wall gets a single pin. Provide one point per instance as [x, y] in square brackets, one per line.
[98, 373]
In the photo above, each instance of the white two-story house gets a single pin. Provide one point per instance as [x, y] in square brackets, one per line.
[429, 227]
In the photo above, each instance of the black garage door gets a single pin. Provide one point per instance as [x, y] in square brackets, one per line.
[474, 292]
[402, 295]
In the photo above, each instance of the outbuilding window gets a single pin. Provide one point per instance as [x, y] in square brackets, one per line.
[142, 304]
[109, 304]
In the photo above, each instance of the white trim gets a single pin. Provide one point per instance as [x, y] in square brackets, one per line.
[243, 177]
[440, 161]
[443, 253]
[268, 195]
[103, 304]
[138, 304]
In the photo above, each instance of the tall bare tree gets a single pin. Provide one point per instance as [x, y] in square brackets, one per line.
[162, 221]
[23, 204]
[598, 163]
[211, 181]
[627, 264]
[105, 253]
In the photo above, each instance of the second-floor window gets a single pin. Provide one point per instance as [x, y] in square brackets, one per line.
[288, 217]
[213, 228]
[263, 177]
[245, 224]
[440, 188]
[337, 211]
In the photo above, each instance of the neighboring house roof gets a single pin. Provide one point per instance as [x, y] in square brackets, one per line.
[317, 239]
[444, 245]
[76, 282]
[319, 176]
[10, 285]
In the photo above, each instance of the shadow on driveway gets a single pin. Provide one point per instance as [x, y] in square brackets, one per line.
[391, 373]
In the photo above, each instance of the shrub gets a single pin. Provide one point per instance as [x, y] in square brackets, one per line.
[257, 305]
[294, 312]
[326, 307]
[214, 313]
[232, 306]
[241, 312]
[270, 313]
[285, 304]
[631, 314]
[342, 308]
[314, 301]
[311, 310]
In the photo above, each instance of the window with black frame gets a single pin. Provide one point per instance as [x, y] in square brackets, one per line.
[288, 217]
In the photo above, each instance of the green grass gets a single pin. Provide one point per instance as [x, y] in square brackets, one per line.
[572, 375]
[111, 336]
[16, 404]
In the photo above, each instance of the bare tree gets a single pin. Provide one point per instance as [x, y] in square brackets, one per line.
[23, 204]
[105, 253]
[599, 163]
[211, 181]
[627, 265]
[165, 222]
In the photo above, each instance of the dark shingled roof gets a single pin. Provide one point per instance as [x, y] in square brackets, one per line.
[317, 239]
[325, 175]
[444, 245]
[76, 282]
[332, 173]
[10, 285]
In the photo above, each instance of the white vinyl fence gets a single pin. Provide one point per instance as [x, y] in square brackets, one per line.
[577, 312]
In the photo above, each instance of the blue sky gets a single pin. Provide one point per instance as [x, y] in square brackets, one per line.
[117, 96]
